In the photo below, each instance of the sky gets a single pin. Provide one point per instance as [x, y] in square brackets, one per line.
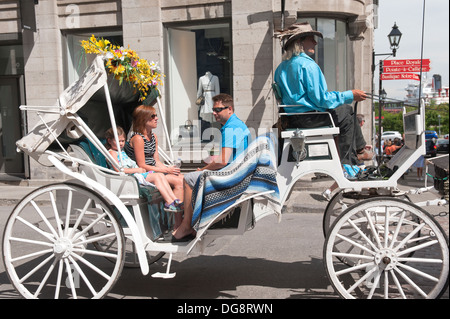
[408, 14]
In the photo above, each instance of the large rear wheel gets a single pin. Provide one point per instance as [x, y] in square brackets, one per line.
[52, 239]
[395, 249]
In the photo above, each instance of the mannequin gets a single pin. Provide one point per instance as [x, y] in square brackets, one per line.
[208, 86]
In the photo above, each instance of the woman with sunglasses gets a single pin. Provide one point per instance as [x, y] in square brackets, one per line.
[143, 149]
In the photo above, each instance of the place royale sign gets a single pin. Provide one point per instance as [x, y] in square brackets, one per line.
[404, 69]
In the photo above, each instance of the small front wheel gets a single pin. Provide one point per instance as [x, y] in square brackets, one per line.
[51, 244]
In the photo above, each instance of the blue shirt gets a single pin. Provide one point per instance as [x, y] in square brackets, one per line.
[235, 135]
[302, 82]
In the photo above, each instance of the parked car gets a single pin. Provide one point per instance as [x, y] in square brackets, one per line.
[442, 145]
[430, 147]
[430, 135]
[390, 135]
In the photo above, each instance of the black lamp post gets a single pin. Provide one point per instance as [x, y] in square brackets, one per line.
[394, 40]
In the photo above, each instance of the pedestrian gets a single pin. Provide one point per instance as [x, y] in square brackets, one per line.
[419, 164]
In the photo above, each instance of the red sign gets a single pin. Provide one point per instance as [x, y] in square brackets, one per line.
[399, 76]
[401, 69]
[410, 62]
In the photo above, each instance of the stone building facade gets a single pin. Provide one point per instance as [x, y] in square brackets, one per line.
[231, 38]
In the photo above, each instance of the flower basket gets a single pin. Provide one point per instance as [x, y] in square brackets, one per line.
[128, 73]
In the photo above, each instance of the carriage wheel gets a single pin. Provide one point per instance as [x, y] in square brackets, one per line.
[51, 242]
[384, 230]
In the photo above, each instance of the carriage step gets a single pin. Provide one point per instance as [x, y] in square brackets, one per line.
[167, 274]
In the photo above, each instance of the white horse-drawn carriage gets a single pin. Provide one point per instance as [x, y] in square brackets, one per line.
[58, 237]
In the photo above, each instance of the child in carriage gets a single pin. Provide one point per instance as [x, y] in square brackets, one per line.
[172, 204]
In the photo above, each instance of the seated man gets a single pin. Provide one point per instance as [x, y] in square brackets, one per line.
[302, 83]
[235, 139]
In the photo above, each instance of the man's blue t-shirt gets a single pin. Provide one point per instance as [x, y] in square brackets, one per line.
[235, 135]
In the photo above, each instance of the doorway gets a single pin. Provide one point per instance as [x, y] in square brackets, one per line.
[196, 53]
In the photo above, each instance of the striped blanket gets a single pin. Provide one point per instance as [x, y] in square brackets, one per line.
[252, 172]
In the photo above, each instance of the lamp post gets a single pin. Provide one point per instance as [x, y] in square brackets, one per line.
[394, 40]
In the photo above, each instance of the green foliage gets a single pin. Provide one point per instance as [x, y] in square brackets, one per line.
[394, 121]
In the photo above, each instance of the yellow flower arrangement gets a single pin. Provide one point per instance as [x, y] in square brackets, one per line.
[126, 65]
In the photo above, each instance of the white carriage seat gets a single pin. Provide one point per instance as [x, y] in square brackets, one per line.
[125, 187]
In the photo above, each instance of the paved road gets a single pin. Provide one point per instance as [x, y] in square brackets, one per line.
[273, 261]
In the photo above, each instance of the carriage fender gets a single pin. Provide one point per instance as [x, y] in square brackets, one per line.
[140, 250]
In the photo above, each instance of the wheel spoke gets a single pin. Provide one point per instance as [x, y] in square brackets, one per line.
[69, 208]
[86, 229]
[407, 238]
[44, 218]
[418, 272]
[93, 267]
[47, 275]
[355, 244]
[397, 229]
[35, 254]
[59, 278]
[82, 275]
[372, 228]
[35, 269]
[375, 248]
[55, 211]
[95, 239]
[40, 231]
[412, 283]
[70, 277]
[80, 217]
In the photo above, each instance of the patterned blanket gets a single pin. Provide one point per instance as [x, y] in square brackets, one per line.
[252, 172]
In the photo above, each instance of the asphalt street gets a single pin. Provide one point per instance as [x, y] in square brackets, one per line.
[273, 261]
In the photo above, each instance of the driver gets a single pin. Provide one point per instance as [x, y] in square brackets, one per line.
[302, 83]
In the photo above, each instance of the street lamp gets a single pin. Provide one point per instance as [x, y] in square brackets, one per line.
[383, 95]
[394, 40]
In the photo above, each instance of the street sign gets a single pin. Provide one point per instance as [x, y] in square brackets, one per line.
[408, 62]
[399, 76]
[403, 69]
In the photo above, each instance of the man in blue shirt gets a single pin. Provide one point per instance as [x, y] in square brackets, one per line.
[235, 139]
[302, 83]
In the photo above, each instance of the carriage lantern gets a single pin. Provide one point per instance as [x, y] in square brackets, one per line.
[298, 144]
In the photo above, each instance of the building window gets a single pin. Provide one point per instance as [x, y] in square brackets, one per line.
[11, 60]
[199, 63]
[331, 51]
